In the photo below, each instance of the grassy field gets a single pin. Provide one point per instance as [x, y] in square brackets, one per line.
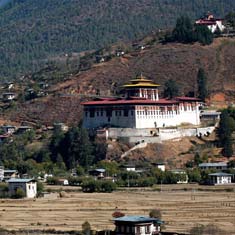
[182, 208]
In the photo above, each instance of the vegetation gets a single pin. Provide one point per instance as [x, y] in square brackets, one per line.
[92, 186]
[20, 193]
[171, 89]
[185, 32]
[86, 228]
[36, 33]
[225, 130]
[202, 85]
[155, 213]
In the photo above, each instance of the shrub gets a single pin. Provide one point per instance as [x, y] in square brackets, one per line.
[20, 193]
[98, 186]
[86, 228]
[52, 180]
[155, 213]
[117, 214]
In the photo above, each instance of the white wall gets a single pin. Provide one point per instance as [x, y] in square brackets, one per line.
[168, 119]
[31, 190]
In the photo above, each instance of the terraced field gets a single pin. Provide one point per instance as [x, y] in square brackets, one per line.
[182, 208]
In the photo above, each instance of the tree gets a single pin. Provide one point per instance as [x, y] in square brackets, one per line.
[230, 18]
[86, 228]
[171, 89]
[183, 31]
[226, 127]
[20, 193]
[203, 35]
[202, 84]
[155, 213]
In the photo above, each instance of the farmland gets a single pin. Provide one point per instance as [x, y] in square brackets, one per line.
[182, 207]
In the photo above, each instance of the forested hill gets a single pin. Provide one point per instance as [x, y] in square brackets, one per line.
[33, 31]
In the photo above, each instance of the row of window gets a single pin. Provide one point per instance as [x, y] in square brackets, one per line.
[109, 113]
[131, 229]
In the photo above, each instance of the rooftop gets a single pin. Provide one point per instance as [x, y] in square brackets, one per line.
[20, 180]
[220, 174]
[140, 81]
[212, 164]
[137, 219]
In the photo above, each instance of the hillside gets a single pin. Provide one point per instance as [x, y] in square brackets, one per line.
[158, 62]
[33, 32]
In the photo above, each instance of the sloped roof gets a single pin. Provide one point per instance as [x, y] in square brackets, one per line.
[20, 180]
[138, 219]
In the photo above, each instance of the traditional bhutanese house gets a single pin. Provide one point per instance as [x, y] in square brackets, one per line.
[29, 186]
[137, 225]
[220, 178]
[212, 23]
[140, 108]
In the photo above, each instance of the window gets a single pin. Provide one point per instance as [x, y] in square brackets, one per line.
[92, 113]
[125, 112]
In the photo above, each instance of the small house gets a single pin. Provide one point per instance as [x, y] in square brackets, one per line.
[29, 186]
[210, 116]
[8, 96]
[10, 174]
[63, 182]
[213, 166]
[220, 178]
[182, 177]
[8, 129]
[137, 225]
[23, 129]
[98, 173]
[130, 167]
[60, 126]
[160, 166]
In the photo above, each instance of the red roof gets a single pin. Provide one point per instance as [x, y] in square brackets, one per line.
[185, 98]
[132, 102]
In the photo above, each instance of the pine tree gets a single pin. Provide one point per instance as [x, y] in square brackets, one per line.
[202, 85]
[226, 127]
[183, 31]
[171, 89]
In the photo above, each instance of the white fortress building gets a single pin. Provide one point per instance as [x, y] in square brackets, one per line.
[141, 108]
[212, 23]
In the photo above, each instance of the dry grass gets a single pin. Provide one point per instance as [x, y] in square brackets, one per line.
[181, 209]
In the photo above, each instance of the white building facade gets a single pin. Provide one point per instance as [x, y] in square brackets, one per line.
[220, 178]
[141, 108]
[137, 225]
[212, 23]
[29, 186]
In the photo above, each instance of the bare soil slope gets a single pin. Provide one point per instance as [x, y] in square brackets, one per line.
[160, 62]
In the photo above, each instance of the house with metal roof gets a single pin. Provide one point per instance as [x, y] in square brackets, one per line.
[29, 186]
[137, 225]
[220, 178]
[213, 165]
[98, 173]
[10, 174]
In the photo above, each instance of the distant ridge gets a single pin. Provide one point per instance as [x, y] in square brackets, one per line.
[33, 31]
